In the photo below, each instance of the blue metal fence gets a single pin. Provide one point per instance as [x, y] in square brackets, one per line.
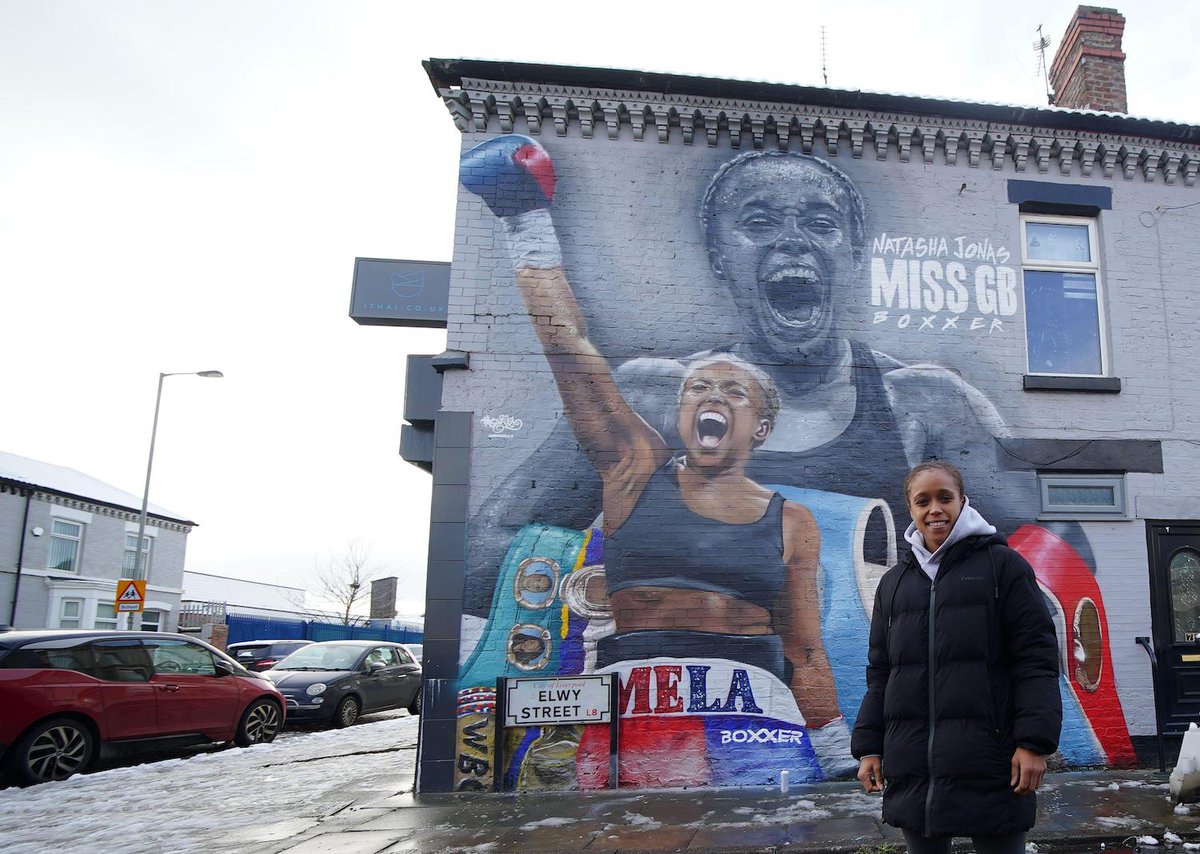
[247, 627]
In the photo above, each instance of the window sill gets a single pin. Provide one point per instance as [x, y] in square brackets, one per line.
[1101, 385]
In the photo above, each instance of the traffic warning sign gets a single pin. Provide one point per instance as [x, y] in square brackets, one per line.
[131, 596]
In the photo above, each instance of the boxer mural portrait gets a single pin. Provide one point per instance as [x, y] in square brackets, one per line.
[711, 528]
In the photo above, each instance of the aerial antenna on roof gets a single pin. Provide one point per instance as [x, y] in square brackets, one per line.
[1039, 47]
[824, 58]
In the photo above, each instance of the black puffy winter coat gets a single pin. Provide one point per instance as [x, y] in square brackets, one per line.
[961, 672]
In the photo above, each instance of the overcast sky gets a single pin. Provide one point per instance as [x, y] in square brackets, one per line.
[184, 186]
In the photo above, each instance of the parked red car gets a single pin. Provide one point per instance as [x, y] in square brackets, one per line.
[66, 695]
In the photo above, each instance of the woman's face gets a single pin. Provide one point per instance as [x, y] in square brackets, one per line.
[934, 503]
[719, 418]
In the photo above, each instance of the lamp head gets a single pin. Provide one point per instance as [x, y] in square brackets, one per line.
[209, 374]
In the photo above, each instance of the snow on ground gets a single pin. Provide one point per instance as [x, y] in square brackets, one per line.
[187, 805]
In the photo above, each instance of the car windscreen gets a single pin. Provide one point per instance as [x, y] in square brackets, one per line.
[320, 657]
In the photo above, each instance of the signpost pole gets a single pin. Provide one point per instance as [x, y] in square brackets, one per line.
[614, 732]
[501, 721]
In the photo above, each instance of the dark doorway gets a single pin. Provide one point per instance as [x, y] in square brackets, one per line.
[1175, 615]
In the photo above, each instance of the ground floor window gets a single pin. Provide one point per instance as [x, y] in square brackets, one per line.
[69, 613]
[152, 621]
[106, 618]
[1081, 496]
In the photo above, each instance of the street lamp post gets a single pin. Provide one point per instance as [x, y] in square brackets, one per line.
[141, 534]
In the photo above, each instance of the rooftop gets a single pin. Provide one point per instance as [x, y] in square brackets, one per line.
[61, 480]
[450, 73]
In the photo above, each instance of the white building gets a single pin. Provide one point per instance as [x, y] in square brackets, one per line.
[65, 540]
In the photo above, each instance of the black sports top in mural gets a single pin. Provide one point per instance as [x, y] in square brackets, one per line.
[664, 544]
[867, 459]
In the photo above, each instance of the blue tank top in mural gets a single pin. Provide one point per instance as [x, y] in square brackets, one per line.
[663, 543]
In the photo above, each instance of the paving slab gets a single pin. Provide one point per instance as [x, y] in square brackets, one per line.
[726, 836]
[345, 843]
[1077, 811]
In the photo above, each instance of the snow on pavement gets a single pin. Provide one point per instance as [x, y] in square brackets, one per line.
[188, 805]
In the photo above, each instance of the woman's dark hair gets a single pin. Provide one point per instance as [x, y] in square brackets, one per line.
[931, 465]
[855, 212]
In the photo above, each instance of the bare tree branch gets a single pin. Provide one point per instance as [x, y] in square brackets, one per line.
[344, 578]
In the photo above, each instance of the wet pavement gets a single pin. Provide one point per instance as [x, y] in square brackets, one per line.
[1081, 811]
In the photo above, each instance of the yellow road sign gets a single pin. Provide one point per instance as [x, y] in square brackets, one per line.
[131, 596]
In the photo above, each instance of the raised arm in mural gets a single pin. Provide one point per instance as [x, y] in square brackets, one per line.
[700, 559]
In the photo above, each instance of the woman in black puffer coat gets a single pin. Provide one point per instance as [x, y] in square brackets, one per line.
[962, 701]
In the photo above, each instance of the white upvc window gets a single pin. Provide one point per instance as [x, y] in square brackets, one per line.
[151, 621]
[1065, 329]
[66, 542]
[129, 561]
[106, 617]
[69, 613]
[1082, 496]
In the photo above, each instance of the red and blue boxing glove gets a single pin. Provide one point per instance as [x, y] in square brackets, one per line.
[512, 174]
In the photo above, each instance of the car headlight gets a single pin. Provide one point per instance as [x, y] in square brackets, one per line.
[315, 689]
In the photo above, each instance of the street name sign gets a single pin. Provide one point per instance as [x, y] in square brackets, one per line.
[565, 700]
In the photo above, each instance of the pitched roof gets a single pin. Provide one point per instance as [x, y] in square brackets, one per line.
[64, 481]
[445, 73]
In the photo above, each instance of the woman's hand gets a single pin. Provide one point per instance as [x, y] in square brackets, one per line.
[1028, 768]
[870, 774]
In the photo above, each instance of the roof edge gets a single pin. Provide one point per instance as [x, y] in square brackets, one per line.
[449, 73]
[87, 499]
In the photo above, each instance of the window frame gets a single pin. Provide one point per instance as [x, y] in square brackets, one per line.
[1049, 511]
[129, 556]
[1093, 267]
[202, 662]
[105, 623]
[77, 540]
[64, 617]
[133, 660]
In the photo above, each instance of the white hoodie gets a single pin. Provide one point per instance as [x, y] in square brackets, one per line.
[968, 524]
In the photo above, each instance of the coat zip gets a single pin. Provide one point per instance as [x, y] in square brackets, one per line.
[932, 720]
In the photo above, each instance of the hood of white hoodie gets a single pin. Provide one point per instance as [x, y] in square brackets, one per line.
[968, 524]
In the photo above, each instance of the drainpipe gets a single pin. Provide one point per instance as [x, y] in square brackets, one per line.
[12, 616]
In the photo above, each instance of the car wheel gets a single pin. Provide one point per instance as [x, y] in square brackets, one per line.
[260, 724]
[346, 712]
[414, 708]
[53, 750]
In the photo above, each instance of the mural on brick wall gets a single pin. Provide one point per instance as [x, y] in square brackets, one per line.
[712, 528]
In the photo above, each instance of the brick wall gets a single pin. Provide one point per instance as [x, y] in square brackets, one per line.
[1088, 72]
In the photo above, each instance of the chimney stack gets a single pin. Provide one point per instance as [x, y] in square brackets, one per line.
[1088, 72]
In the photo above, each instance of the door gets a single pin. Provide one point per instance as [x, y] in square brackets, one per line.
[380, 685]
[1175, 614]
[192, 697]
[122, 670]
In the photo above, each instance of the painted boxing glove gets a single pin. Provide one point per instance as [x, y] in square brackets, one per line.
[512, 174]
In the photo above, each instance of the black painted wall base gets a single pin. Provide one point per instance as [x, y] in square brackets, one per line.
[437, 748]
